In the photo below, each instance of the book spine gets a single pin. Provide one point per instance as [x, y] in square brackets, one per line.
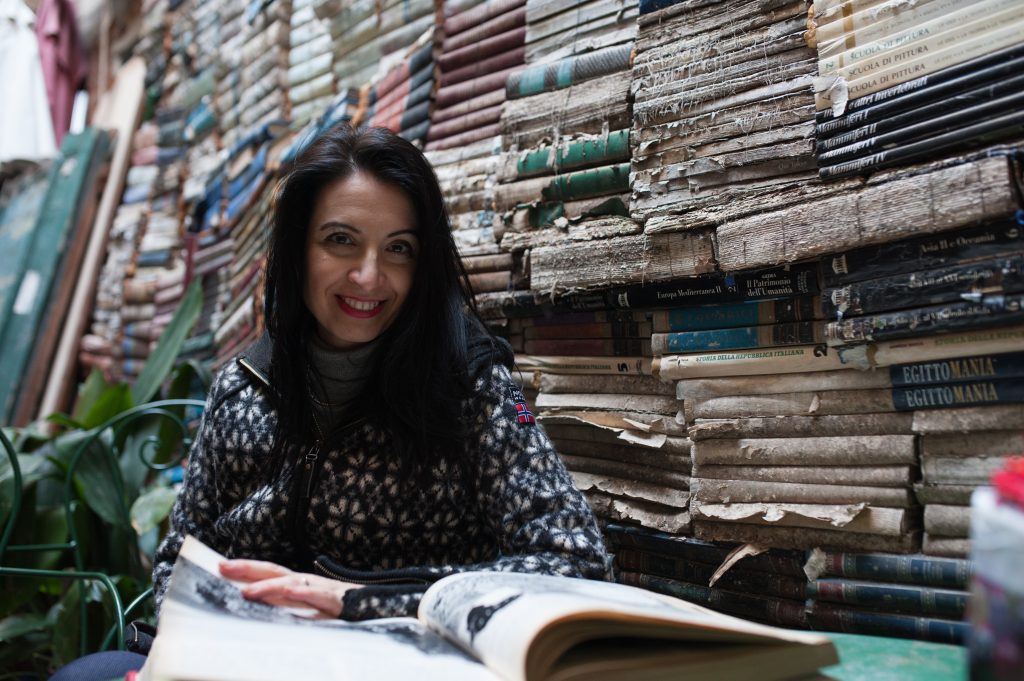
[730, 315]
[925, 57]
[926, 287]
[574, 154]
[789, 360]
[796, 333]
[774, 610]
[985, 105]
[584, 365]
[866, 27]
[562, 74]
[835, 618]
[589, 331]
[588, 183]
[984, 132]
[549, 318]
[955, 370]
[748, 581]
[902, 34]
[927, 252]
[988, 91]
[895, 598]
[601, 347]
[796, 280]
[973, 393]
[991, 311]
[497, 44]
[949, 573]
[947, 346]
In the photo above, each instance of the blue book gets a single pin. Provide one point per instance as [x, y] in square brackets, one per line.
[772, 335]
[731, 315]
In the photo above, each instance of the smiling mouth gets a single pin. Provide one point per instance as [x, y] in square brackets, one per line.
[359, 308]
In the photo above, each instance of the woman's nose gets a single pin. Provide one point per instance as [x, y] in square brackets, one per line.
[365, 272]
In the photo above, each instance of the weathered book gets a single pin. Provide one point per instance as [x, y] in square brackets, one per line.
[462, 632]
[831, 617]
[806, 537]
[986, 131]
[945, 346]
[995, 366]
[773, 335]
[767, 284]
[904, 125]
[735, 579]
[570, 154]
[976, 443]
[580, 184]
[595, 330]
[731, 315]
[628, 488]
[795, 359]
[946, 520]
[969, 419]
[651, 404]
[922, 91]
[628, 509]
[930, 251]
[584, 365]
[597, 347]
[941, 195]
[753, 492]
[939, 493]
[989, 311]
[880, 567]
[831, 474]
[507, 40]
[891, 598]
[623, 454]
[906, 33]
[857, 518]
[927, 287]
[704, 388]
[483, 22]
[948, 547]
[803, 449]
[861, 28]
[625, 470]
[548, 317]
[637, 385]
[781, 611]
[561, 74]
[960, 469]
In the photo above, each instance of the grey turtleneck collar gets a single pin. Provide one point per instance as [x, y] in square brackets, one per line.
[344, 374]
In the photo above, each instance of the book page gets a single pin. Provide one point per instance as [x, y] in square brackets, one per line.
[209, 632]
[500, 616]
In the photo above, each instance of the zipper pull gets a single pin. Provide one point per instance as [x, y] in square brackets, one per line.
[309, 466]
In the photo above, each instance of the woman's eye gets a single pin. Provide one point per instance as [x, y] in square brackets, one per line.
[402, 248]
[339, 238]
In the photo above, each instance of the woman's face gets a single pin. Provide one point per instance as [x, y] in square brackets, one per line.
[361, 249]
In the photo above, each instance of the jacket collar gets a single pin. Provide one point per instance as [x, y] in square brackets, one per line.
[256, 359]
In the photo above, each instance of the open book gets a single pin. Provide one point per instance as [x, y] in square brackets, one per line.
[474, 626]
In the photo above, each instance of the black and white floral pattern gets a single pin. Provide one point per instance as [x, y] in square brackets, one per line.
[521, 513]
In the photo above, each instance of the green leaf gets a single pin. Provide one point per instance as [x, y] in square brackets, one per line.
[162, 358]
[150, 509]
[113, 401]
[97, 477]
[18, 625]
[93, 387]
[64, 420]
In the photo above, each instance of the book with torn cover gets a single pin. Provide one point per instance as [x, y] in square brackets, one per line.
[473, 625]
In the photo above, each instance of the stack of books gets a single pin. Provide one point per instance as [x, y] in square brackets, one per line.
[310, 61]
[482, 45]
[370, 36]
[723, 117]
[401, 98]
[902, 83]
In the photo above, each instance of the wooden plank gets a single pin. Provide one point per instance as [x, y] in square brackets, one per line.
[118, 111]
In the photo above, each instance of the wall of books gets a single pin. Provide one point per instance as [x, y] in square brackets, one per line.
[762, 262]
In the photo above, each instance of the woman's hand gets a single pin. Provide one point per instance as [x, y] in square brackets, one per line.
[276, 585]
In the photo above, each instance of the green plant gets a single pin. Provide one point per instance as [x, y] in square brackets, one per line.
[94, 498]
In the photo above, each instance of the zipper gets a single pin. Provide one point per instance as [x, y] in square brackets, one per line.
[309, 467]
[365, 579]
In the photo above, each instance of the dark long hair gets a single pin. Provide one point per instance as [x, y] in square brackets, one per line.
[420, 375]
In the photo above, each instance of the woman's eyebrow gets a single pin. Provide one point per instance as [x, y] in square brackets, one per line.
[410, 230]
[333, 224]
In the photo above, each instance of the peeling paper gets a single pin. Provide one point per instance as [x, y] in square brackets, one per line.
[835, 515]
[836, 90]
[623, 432]
[860, 356]
[815, 565]
[735, 556]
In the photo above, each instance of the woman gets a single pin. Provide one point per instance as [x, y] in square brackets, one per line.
[375, 430]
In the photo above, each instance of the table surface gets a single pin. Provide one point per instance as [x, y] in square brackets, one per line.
[877, 658]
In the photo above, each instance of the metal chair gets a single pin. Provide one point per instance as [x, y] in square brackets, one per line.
[111, 441]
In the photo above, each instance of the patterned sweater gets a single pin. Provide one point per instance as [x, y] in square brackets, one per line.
[520, 513]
